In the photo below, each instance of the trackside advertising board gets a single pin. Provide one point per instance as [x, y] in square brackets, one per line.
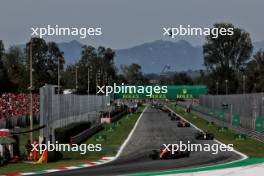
[167, 92]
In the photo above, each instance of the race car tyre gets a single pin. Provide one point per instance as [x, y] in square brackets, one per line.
[154, 155]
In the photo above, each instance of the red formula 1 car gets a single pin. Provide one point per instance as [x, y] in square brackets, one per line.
[204, 136]
[173, 116]
[183, 124]
[168, 154]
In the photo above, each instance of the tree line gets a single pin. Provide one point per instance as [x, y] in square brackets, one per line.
[94, 67]
[230, 67]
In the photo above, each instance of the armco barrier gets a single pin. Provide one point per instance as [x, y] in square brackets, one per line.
[108, 119]
[86, 134]
[118, 116]
[91, 131]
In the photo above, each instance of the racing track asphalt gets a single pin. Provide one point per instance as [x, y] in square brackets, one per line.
[153, 130]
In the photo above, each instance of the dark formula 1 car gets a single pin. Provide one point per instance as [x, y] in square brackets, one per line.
[183, 124]
[204, 136]
[168, 154]
[173, 116]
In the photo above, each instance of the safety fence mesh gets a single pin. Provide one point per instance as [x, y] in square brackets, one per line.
[59, 110]
[248, 108]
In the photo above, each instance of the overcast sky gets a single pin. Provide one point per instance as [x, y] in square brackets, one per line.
[126, 23]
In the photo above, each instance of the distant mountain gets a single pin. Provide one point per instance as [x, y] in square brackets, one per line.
[155, 55]
[152, 56]
[72, 51]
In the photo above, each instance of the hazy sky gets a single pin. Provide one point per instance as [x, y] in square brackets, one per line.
[126, 23]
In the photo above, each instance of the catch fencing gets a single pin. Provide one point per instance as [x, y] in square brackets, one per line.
[59, 110]
[248, 108]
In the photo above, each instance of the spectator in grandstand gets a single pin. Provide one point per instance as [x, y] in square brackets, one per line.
[17, 105]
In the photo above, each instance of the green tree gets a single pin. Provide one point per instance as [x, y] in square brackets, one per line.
[181, 79]
[16, 70]
[68, 77]
[2, 49]
[226, 56]
[45, 62]
[5, 84]
[54, 57]
[99, 62]
[255, 73]
[133, 74]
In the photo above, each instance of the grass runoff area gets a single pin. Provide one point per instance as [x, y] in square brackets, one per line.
[111, 139]
[251, 147]
[24, 137]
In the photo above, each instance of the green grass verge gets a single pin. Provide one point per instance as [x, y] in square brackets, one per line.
[110, 146]
[23, 138]
[242, 163]
[250, 147]
[113, 141]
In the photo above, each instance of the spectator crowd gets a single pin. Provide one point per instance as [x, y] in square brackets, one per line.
[17, 105]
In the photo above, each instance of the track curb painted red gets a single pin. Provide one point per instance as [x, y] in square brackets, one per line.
[103, 160]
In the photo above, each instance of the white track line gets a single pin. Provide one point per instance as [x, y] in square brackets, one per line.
[102, 161]
[243, 156]
[129, 136]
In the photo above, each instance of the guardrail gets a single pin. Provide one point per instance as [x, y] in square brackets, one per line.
[251, 133]
[91, 131]
[118, 116]
[86, 134]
